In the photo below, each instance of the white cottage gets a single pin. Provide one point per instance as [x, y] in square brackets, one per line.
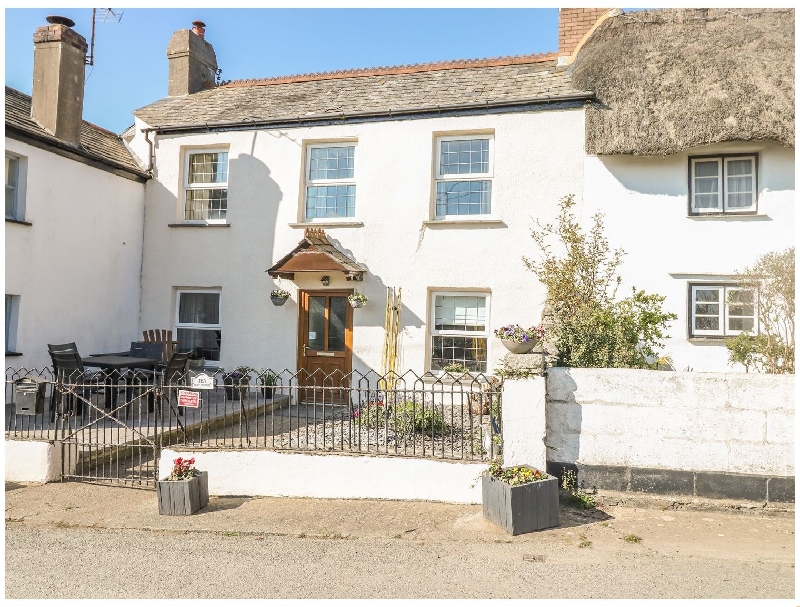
[74, 213]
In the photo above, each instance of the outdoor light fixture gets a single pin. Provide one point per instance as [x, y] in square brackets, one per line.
[326, 280]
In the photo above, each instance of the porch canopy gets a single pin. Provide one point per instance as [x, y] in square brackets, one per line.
[315, 253]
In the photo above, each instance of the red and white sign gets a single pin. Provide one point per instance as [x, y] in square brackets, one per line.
[187, 398]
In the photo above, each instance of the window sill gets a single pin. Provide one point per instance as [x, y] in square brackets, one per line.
[198, 225]
[718, 340]
[10, 354]
[730, 217]
[18, 221]
[448, 379]
[328, 224]
[435, 223]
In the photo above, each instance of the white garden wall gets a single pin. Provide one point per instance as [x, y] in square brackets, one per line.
[722, 422]
[32, 461]
[332, 476]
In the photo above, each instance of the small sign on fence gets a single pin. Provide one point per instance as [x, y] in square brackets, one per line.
[202, 381]
[187, 398]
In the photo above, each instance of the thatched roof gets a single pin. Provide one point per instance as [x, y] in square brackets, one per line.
[668, 80]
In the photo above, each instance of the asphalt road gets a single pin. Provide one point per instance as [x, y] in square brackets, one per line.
[63, 562]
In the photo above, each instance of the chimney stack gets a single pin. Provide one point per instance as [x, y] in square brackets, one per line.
[192, 61]
[574, 24]
[59, 63]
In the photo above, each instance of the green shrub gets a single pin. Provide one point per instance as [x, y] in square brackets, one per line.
[405, 418]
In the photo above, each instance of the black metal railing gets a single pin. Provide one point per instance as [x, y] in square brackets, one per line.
[456, 417]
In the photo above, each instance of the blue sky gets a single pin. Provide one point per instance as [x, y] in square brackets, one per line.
[130, 67]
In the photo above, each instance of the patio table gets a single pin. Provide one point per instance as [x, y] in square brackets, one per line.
[113, 363]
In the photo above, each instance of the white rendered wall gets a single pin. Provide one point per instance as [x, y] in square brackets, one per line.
[76, 268]
[645, 201]
[31, 461]
[538, 157]
[332, 476]
[524, 422]
[721, 422]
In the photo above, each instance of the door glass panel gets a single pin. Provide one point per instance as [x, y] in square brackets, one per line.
[316, 323]
[338, 321]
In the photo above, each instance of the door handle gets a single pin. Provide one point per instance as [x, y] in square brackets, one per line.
[305, 347]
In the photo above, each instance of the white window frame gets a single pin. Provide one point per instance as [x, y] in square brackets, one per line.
[486, 333]
[12, 322]
[723, 331]
[442, 178]
[19, 189]
[188, 153]
[347, 143]
[722, 193]
[195, 325]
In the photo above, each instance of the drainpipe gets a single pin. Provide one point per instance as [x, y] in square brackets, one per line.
[152, 156]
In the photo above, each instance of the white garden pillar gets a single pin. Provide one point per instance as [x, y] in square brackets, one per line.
[524, 422]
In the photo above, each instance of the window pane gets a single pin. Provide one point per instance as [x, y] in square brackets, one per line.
[708, 168]
[463, 198]
[330, 201]
[206, 204]
[201, 343]
[706, 186]
[199, 308]
[469, 351]
[463, 157]
[706, 295]
[741, 303]
[316, 323]
[706, 201]
[208, 168]
[707, 309]
[460, 313]
[740, 324]
[740, 167]
[706, 323]
[740, 201]
[12, 172]
[332, 163]
[11, 202]
[337, 323]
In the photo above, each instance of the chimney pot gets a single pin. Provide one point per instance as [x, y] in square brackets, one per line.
[57, 20]
[199, 28]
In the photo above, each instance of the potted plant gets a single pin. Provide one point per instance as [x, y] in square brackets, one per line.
[519, 340]
[239, 379]
[268, 381]
[520, 499]
[184, 491]
[279, 296]
[455, 369]
[357, 300]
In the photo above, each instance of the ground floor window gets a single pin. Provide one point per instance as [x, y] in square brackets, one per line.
[197, 324]
[12, 313]
[721, 310]
[459, 330]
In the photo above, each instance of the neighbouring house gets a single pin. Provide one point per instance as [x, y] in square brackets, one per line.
[677, 124]
[690, 154]
[74, 213]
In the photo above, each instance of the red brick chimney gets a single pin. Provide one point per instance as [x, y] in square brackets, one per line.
[573, 26]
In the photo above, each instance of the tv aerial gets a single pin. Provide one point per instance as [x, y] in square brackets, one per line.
[102, 15]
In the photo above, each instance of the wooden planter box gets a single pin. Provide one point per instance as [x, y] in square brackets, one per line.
[183, 497]
[523, 508]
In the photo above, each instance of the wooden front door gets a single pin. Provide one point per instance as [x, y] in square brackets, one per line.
[325, 342]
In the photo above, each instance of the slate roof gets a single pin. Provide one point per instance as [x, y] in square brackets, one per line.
[396, 89]
[96, 143]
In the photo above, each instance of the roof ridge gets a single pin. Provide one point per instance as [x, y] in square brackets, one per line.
[452, 64]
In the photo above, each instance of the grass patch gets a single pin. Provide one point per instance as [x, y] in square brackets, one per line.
[585, 544]
[632, 539]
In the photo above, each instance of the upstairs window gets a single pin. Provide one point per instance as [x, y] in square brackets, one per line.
[206, 186]
[197, 324]
[722, 310]
[723, 184]
[15, 182]
[459, 330]
[330, 182]
[464, 176]
[12, 314]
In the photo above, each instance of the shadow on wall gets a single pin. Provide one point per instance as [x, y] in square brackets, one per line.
[653, 176]
[563, 420]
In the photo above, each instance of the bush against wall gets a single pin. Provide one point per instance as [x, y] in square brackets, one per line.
[771, 348]
[592, 327]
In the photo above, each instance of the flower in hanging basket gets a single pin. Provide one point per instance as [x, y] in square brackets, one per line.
[279, 296]
[357, 300]
[518, 335]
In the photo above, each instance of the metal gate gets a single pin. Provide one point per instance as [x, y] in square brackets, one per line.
[109, 426]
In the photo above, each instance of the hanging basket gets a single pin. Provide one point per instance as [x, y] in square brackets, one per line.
[519, 347]
[278, 301]
[357, 304]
